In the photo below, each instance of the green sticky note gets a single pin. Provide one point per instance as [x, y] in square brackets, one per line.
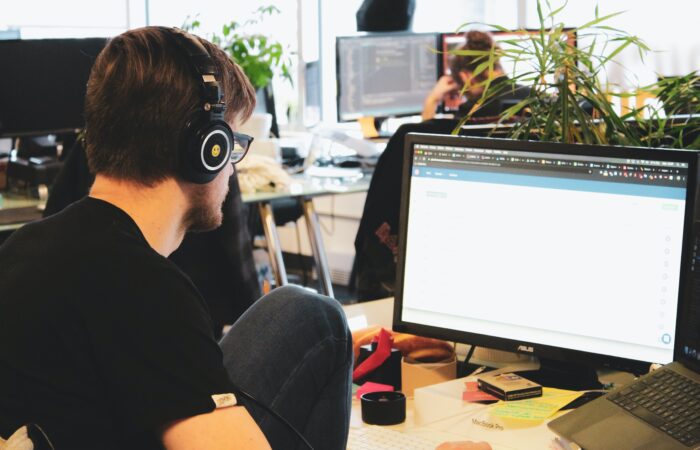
[539, 408]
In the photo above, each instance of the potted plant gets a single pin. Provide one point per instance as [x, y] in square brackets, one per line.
[568, 101]
[260, 56]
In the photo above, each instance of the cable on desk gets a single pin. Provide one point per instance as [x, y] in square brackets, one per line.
[467, 358]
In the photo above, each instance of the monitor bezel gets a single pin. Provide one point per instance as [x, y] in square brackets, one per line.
[364, 35]
[87, 47]
[530, 348]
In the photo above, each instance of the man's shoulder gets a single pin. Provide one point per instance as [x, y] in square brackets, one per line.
[90, 248]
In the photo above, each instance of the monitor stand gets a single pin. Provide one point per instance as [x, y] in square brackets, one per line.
[563, 375]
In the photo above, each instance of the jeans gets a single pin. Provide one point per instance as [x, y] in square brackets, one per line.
[292, 351]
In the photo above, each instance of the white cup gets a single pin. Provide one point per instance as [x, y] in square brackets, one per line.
[258, 126]
[267, 147]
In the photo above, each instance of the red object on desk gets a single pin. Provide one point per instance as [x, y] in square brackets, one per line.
[473, 394]
[373, 387]
[376, 359]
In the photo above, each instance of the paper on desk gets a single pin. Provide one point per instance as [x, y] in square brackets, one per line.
[539, 408]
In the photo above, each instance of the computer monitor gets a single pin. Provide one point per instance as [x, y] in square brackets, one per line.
[384, 74]
[572, 253]
[505, 39]
[42, 84]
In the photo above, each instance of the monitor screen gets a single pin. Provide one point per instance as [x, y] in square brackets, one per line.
[384, 74]
[543, 247]
[505, 39]
[42, 84]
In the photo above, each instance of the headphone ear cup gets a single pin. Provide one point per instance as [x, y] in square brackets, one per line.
[206, 151]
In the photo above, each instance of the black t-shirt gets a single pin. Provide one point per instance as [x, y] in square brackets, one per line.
[102, 340]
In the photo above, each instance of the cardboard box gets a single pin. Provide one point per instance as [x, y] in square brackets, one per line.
[415, 374]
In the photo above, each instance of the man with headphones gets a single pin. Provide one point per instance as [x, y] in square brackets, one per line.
[80, 356]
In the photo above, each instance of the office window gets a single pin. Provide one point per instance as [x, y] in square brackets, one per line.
[668, 30]
[34, 19]
[213, 14]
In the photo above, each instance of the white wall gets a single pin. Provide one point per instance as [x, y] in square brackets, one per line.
[71, 18]
[669, 28]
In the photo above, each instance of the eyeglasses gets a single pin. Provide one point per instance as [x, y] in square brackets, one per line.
[241, 144]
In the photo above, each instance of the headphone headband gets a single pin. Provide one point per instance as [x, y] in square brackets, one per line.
[207, 140]
[204, 68]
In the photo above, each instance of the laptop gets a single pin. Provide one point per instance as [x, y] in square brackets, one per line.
[660, 410]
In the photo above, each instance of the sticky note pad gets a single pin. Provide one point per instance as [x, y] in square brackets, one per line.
[539, 408]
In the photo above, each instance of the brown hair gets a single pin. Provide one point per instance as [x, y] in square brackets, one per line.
[141, 94]
[479, 41]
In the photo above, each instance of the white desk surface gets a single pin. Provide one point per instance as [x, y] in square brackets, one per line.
[305, 186]
[472, 421]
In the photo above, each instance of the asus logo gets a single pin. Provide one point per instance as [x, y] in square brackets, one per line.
[526, 348]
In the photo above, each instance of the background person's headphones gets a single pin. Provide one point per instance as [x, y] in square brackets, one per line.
[207, 140]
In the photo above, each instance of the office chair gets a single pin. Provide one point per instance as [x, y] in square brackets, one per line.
[374, 268]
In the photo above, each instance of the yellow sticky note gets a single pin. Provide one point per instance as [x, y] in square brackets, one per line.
[539, 408]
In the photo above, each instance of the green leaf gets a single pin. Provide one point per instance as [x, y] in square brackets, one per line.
[598, 20]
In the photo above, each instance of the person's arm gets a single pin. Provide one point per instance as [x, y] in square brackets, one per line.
[444, 85]
[223, 428]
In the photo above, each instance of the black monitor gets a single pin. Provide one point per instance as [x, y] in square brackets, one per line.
[505, 39]
[384, 74]
[42, 84]
[572, 253]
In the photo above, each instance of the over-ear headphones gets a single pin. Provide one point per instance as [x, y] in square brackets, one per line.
[207, 140]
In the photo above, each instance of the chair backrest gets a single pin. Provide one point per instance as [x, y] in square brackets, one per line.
[374, 270]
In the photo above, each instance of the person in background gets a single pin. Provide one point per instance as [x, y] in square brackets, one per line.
[463, 72]
[376, 242]
[106, 344]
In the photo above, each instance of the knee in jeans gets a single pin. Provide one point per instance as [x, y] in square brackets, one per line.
[297, 301]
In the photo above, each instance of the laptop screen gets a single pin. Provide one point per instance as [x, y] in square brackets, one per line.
[570, 249]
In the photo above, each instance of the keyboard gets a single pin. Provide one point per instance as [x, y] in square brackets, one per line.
[378, 438]
[667, 401]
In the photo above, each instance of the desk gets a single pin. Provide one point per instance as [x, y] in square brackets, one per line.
[304, 188]
[473, 423]
[19, 209]
[455, 420]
